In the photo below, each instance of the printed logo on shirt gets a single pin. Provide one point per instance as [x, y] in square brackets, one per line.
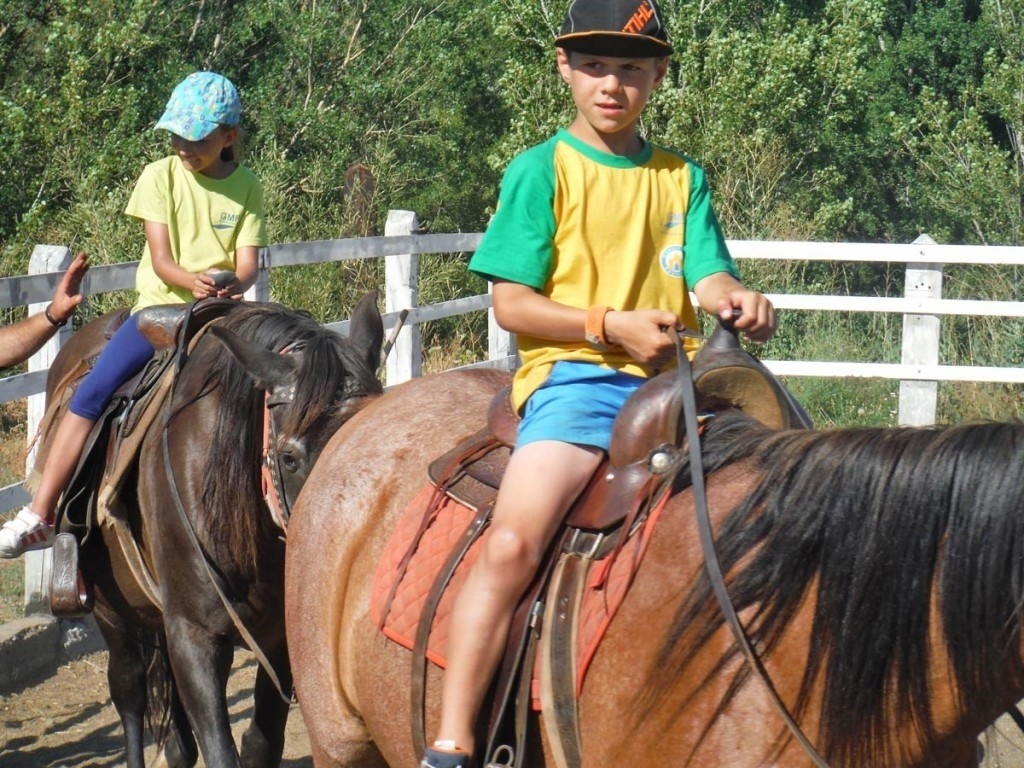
[671, 260]
[674, 221]
[227, 221]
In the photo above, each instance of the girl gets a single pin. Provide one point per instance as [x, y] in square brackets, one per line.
[202, 212]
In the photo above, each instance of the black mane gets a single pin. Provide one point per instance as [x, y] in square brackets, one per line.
[331, 371]
[876, 518]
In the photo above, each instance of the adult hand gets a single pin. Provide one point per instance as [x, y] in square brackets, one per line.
[68, 294]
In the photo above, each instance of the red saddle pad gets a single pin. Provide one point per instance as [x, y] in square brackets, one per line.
[607, 581]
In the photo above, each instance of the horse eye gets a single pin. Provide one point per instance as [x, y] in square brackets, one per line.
[289, 461]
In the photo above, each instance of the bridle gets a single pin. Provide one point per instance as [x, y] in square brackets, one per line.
[271, 476]
[271, 473]
[273, 492]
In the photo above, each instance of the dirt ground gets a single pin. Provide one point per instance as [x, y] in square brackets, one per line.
[1003, 745]
[67, 720]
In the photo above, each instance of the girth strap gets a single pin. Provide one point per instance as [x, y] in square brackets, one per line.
[558, 659]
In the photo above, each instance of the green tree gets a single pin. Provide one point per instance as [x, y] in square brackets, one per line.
[350, 109]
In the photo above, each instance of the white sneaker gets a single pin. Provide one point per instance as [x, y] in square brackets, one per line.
[26, 532]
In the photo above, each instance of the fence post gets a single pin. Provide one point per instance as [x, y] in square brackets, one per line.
[401, 291]
[500, 343]
[919, 399]
[260, 290]
[45, 258]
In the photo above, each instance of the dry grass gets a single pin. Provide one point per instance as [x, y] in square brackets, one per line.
[12, 590]
[460, 349]
[13, 443]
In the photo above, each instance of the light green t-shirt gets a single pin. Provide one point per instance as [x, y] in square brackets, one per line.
[587, 228]
[207, 219]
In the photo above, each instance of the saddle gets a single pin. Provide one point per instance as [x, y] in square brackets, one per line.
[109, 457]
[559, 622]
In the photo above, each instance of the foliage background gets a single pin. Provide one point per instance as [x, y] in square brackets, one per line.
[858, 120]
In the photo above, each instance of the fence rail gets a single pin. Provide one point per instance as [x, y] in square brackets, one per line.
[922, 307]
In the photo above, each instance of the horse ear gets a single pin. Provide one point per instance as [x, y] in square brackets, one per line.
[268, 370]
[366, 330]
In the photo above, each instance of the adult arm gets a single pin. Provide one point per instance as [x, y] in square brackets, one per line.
[23, 339]
[20, 341]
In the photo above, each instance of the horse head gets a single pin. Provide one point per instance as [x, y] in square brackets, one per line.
[306, 398]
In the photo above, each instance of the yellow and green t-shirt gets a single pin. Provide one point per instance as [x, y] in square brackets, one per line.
[587, 228]
[207, 219]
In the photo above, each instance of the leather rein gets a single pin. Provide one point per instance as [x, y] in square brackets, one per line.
[711, 562]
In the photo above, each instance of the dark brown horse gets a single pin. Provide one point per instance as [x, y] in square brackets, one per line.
[879, 574]
[211, 566]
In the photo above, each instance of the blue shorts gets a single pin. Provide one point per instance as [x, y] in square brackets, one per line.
[125, 354]
[577, 403]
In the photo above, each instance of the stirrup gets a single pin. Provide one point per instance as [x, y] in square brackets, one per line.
[506, 754]
[70, 595]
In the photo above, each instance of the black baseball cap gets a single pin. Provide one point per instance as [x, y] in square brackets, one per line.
[621, 28]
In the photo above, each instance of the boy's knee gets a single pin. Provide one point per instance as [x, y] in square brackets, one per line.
[510, 552]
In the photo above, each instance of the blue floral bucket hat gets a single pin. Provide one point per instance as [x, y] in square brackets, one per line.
[199, 104]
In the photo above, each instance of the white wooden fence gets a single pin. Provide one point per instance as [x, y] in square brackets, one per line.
[922, 307]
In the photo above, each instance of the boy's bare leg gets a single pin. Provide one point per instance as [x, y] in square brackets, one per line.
[541, 481]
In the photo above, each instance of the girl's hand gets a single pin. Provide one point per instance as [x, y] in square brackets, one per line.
[642, 334]
[232, 290]
[227, 284]
[220, 283]
[204, 286]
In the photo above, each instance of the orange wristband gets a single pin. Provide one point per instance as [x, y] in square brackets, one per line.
[594, 328]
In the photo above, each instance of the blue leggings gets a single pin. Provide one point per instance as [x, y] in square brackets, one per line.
[124, 356]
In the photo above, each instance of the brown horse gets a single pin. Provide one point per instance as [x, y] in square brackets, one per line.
[879, 574]
[208, 547]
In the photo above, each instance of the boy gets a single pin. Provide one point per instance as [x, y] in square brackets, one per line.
[597, 237]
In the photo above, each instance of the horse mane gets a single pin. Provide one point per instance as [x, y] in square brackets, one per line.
[877, 519]
[331, 371]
